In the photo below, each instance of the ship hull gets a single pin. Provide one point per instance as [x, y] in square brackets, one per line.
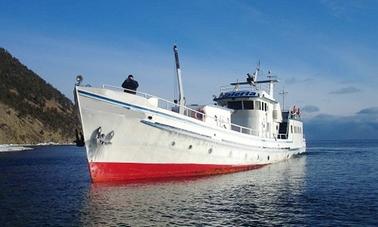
[149, 142]
[128, 172]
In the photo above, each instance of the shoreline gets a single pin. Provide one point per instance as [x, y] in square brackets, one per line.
[13, 147]
[24, 147]
[36, 144]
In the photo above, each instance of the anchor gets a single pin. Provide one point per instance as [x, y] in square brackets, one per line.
[103, 139]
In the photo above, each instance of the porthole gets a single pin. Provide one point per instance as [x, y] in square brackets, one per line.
[190, 147]
[210, 150]
[173, 143]
[268, 157]
[149, 117]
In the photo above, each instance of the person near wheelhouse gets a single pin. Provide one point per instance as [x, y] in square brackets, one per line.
[130, 85]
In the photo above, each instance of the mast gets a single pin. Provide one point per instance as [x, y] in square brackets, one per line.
[181, 100]
[257, 70]
[283, 93]
[271, 85]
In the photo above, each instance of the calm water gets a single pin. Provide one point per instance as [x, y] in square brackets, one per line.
[336, 183]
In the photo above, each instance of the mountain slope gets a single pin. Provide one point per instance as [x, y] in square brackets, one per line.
[31, 110]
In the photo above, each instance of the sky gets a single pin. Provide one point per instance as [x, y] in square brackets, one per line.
[324, 53]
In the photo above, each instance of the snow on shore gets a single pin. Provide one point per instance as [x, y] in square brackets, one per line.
[24, 147]
[11, 147]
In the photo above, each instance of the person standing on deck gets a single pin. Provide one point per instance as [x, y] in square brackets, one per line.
[130, 85]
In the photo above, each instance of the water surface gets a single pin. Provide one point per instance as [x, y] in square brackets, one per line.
[336, 183]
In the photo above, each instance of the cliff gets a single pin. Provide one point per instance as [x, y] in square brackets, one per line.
[31, 110]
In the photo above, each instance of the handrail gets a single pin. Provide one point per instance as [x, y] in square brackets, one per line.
[244, 130]
[226, 88]
[282, 136]
[168, 105]
[258, 87]
[146, 95]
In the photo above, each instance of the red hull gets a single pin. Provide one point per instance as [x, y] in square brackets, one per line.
[110, 172]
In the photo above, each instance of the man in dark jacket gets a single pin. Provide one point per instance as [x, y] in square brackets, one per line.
[130, 84]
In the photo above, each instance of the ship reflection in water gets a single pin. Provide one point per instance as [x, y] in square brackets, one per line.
[270, 195]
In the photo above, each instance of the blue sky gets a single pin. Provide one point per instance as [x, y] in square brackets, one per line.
[323, 52]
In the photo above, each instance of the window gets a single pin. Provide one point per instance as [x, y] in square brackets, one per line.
[291, 128]
[275, 113]
[235, 105]
[258, 105]
[248, 105]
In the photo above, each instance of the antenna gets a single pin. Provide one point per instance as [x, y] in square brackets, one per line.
[237, 86]
[283, 93]
[270, 76]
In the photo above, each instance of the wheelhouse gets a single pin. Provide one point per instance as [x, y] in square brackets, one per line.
[258, 110]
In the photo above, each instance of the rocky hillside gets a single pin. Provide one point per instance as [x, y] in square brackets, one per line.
[31, 110]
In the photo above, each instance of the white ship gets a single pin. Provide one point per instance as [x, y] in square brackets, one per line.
[131, 137]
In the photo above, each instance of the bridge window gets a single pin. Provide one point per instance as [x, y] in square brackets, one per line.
[248, 105]
[235, 105]
[258, 105]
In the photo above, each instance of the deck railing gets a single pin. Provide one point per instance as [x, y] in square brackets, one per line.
[162, 103]
[240, 87]
[171, 106]
[282, 136]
